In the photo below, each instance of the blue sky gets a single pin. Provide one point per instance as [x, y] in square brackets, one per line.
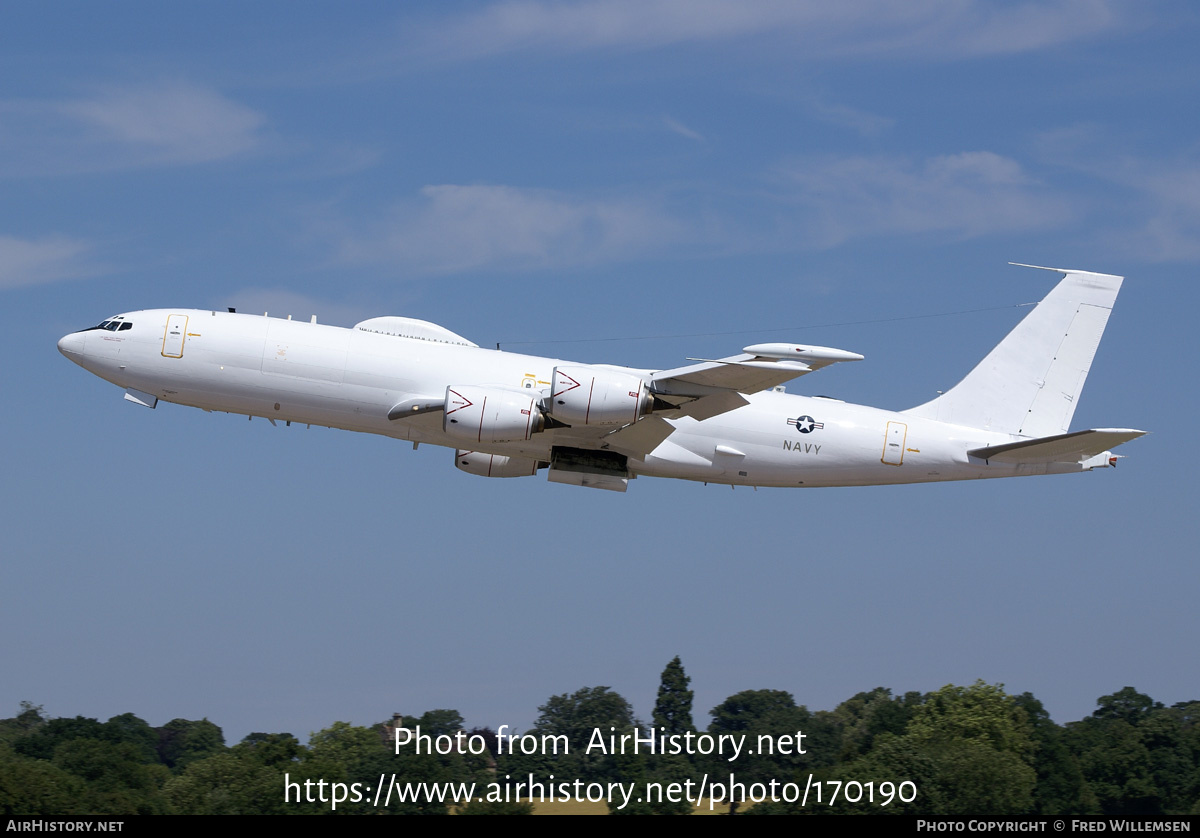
[621, 182]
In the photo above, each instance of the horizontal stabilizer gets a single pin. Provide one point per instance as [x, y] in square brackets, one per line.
[1061, 448]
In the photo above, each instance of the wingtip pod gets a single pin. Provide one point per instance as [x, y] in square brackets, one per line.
[795, 351]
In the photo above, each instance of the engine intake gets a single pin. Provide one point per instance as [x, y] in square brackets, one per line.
[490, 414]
[494, 465]
[592, 396]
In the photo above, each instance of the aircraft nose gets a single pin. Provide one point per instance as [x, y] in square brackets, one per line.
[71, 344]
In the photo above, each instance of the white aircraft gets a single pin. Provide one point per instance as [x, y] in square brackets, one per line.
[718, 421]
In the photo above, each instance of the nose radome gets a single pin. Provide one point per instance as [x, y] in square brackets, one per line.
[71, 344]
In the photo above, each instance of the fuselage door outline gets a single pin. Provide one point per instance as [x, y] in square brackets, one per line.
[893, 444]
[174, 335]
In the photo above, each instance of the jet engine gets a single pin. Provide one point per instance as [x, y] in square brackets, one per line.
[494, 465]
[490, 414]
[594, 396]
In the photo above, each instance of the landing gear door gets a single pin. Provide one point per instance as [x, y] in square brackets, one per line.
[893, 443]
[174, 335]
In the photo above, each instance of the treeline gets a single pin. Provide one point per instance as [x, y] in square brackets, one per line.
[967, 751]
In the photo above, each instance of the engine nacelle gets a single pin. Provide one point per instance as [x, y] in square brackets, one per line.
[490, 414]
[594, 396]
[494, 465]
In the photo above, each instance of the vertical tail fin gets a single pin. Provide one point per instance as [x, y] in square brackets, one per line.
[1030, 383]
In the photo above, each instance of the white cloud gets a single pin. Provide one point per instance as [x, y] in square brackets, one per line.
[1172, 231]
[968, 194]
[39, 261]
[177, 123]
[1162, 220]
[125, 127]
[454, 228]
[682, 130]
[860, 121]
[1158, 216]
[934, 29]
[820, 203]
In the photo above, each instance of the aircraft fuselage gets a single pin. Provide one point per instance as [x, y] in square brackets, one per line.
[303, 372]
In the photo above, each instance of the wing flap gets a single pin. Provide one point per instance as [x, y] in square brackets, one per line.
[640, 438]
[643, 436]
[706, 407]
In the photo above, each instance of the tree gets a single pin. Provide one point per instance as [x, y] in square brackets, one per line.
[1139, 757]
[231, 783]
[440, 722]
[755, 713]
[980, 712]
[130, 729]
[119, 781]
[348, 754]
[752, 711]
[35, 788]
[31, 717]
[1061, 788]
[966, 749]
[579, 714]
[181, 741]
[577, 718]
[673, 707]
[1126, 704]
[868, 714]
[271, 749]
[42, 741]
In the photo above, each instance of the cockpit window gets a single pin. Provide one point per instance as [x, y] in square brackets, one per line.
[113, 324]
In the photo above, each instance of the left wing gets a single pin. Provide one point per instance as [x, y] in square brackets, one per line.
[710, 388]
[759, 367]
